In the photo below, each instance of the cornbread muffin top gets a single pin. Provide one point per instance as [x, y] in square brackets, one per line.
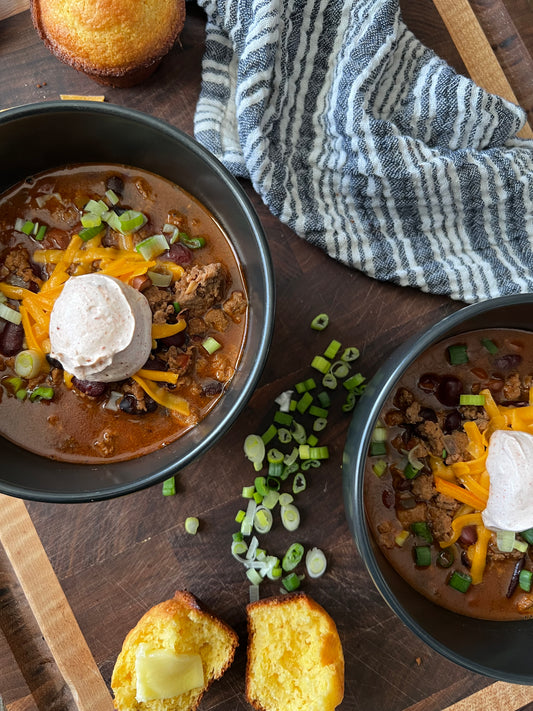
[295, 659]
[109, 37]
[178, 648]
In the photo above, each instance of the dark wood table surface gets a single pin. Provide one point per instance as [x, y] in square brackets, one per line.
[117, 558]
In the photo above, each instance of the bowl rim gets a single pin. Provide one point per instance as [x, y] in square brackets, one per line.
[220, 172]
[360, 431]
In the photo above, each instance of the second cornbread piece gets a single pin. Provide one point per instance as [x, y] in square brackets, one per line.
[170, 658]
[295, 658]
[115, 42]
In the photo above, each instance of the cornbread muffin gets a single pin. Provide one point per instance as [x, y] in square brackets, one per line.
[115, 42]
[170, 658]
[295, 659]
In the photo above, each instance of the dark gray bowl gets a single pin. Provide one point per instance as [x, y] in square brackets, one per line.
[43, 136]
[497, 649]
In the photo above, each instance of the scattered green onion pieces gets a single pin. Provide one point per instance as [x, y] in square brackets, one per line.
[528, 536]
[505, 541]
[42, 392]
[315, 563]
[28, 363]
[152, 247]
[131, 221]
[460, 581]
[290, 517]
[457, 354]
[422, 556]
[489, 345]
[9, 314]
[39, 235]
[524, 580]
[292, 557]
[380, 467]
[291, 582]
[445, 558]
[191, 242]
[410, 471]
[332, 350]
[169, 486]
[422, 530]
[321, 364]
[299, 483]
[467, 399]
[377, 449]
[192, 524]
[263, 519]
[27, 227]
[88, 233]
[90, 219]
[320, 322]
[350, 354]
[211, 345]
[112, 197]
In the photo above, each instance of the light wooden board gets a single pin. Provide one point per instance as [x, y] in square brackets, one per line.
[12, 7]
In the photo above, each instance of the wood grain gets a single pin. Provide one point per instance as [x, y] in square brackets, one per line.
[476, 51]
[50, 607]
[12, 7]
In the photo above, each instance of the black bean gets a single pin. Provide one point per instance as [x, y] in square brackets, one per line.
[11, 339]
[452, 421]
[53, 362]
[515, 576]
[130, 405]
[116, 184]
[178, 340]
[428, 414]
[212, 388]
[155, 364]
[92, 388]
[449, 390]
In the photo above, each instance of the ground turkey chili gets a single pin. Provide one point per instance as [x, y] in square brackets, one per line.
[426, 480]
[133, 226]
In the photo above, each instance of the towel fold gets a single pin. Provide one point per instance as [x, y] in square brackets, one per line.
[368, 145]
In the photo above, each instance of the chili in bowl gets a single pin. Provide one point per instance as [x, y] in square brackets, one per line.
[136, 301]
[436, 485]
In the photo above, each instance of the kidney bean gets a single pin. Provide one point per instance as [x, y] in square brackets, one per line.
[468, 536]
[449, 390]
[452, 421]
[92, 388]
[388, 498]
[178, 340]
[508, 362]
[179, 253]
[141, 282]
[11, 339]
[429, 382]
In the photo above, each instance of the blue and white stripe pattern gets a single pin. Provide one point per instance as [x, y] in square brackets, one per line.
[368, 145]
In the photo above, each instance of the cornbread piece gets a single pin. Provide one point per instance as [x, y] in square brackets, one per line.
[115, 42]
[170, 658]
[295, 659]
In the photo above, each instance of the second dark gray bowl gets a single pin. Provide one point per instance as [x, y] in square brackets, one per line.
[496, 649]
[43, 136]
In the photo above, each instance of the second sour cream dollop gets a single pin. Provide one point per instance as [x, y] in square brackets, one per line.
[100, 328]
[510, 468]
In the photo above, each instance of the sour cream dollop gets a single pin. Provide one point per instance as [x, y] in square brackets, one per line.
[100, 328]
[510, 468]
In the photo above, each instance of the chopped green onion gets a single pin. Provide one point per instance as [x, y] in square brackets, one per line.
[460, 581]
[457, 354]
[27, 227]
[340, 369]
[410, 471]
[90, 219]
[285, 499]
[422, 530]
[284, 435]
[177, 307]
[112, 197]
[291, 582]
[521, 546]
[350, 402]
[290, 517]
[191, 242]
[28, 363]
[312, 440]
[354, 382]
[445, 558]
[283, 418]
[169, 486]
[318, 411]
[329, 381]
[261, 486]
[192, 524]
[263, 519]
[310, 463]
[320, 322]
[319, 424]
[321, 364]
[89, 232]
[39, 235]
[332, 350]
[253, 576]
[254, 448]
[152, 247]
[324, 398]
[505, 541]
[211, 345]
[377, 449]
[247, 492]
[14, 383]
[292, 557]
[9, 314]
[131, 221]
[299, 483]
[304, 402]
[160, 278]
[524, 580]
[467, 399]
[238, 547]
[380, 467]
[274, 456]
[42, 393]
[315, 563]
[528, 536]
[422, 556]
[298, 432]
[271, 499]
[350, 354]
[97, 207]
[490, 345]
[239, 517]
[21, 394]
[269, 434]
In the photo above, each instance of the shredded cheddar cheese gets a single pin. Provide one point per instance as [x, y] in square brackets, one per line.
[468, 482]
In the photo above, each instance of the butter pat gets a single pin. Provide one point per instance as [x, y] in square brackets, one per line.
[163, 674]
[510, 468]
[100, 328]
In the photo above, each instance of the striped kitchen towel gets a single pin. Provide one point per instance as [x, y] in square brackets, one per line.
[368, 145]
